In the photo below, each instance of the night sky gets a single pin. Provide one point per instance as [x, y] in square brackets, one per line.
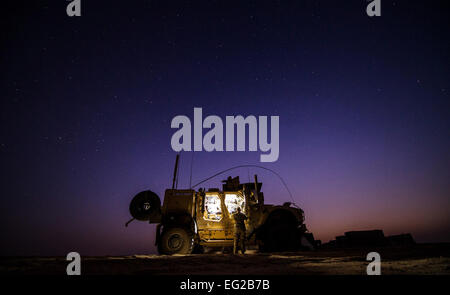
[86, 106]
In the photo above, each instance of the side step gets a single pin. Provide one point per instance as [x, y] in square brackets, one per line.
[216, 243]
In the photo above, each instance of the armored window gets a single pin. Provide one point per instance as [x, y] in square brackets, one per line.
[233, 201]
[213, 208]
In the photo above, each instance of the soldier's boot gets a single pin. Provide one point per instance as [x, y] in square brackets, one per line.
[242, 240]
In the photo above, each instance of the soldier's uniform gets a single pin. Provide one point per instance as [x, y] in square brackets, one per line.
[239, 231]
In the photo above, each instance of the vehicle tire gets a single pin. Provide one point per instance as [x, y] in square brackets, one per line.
[144, 205]
[176, 240]
[280, 233]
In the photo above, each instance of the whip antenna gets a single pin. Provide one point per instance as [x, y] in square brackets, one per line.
[190, 177]
[254, 166]
[175, 171]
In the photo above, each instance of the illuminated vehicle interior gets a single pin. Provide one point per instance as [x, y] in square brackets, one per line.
[233, 201]
[213, 209]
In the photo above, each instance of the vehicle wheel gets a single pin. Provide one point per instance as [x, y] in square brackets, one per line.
[176, 241]
[280, 233]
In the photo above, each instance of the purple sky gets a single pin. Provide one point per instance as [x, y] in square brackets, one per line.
[87, 104]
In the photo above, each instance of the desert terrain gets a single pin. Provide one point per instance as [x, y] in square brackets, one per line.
[422, 259]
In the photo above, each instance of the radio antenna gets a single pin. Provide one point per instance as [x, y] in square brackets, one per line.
[178, 172]
[250, 166]
[192, 164]
[175, 171]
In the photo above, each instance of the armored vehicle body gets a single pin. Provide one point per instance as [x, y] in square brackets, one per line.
[189, 220]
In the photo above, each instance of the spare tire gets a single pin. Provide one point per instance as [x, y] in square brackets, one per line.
[144, 205]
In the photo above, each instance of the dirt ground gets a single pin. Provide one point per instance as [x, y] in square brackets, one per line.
[422, 259]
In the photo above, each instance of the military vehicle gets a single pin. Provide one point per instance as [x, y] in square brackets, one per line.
[189, 220]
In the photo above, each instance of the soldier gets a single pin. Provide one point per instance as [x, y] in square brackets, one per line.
[239, 231]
